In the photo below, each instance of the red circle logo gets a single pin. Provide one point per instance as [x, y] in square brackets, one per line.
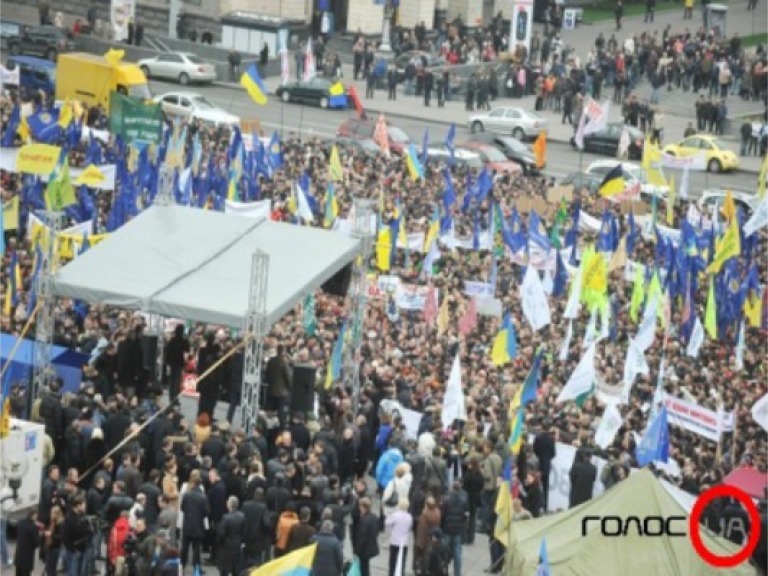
[694, 527]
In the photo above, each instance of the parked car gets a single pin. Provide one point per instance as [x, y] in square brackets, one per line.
[364, 145]
[606, 141]
[34, 74]
[713, 198]
[362, 129]
[718, 157]
[182, 66]
[507, 120]
[44, 41]
[512, 148]
[401, 61]
[322, 92]
[192, 106]
[9, 29]
[465, 158]
[491, 157]
[632, 173]
[581, 180]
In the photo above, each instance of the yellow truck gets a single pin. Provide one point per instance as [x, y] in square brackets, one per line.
[90, 79]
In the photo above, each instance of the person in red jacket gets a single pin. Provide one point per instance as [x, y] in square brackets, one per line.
[117, 536]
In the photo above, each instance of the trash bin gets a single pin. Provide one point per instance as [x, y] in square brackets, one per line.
[717, 15]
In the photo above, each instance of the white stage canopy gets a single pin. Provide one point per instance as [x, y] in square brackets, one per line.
[195, 264]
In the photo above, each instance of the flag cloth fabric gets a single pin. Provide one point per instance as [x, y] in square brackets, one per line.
[453, 401]
[443, 318]
[302, 204]
[384, 249]
[609, 425]
[531, 384]
[449, 141]
[430, 305]
[729, 246]
[335, 170]
[298, 563]
[581, 379]
[729, 206]
[381, 135]
[504, 347]
[355, 98]
[638, 293]
[468, 321]
[539, 148]
[760, 412]
[671, 202]
[543, 569]
[710, 315]
[308, 315]
[566, 345]
[333, 371]
[654, 446]
[60, 192]
[331, 206]
[696, 340]
[740, 348]
[415, 169]
[254, 85]
[534, 300]
[613, 183]
[761, 179]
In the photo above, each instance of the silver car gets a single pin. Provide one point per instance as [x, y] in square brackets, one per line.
[509, 121]
[182, 66]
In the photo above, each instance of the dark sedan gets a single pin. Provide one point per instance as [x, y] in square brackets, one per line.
[512, 148]
[318, 91]
[44, 41]
[606, 141]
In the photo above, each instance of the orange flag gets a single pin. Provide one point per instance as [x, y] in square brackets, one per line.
[540, 149]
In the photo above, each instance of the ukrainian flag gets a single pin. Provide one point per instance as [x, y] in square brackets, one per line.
[415, 169]
[298, 563]
[613, 183]
[331, 206]
[504, 348]
[338, 97]
[253, 84]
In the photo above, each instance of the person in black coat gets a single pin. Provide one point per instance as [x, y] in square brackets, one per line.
[256, 533]
[365, 543]
[429, 84]
[329, 560]
[230, 538]
[347, 454]
[583, 474]
[130, 361]
[176, 351]
[152, 495]
[544, 448]
[234, 382]
[472, 482]
[454, 513]
[214, 446]
[210, 385]
[27, 541]
[195, 507]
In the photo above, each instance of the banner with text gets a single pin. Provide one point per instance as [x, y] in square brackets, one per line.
[135, 120]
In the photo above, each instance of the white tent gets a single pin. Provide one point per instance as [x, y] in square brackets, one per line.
[196, 264]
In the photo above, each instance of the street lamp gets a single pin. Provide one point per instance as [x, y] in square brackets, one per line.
[386, 30]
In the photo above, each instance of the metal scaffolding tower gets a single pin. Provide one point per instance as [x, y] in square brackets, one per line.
[363, 210]
[254, 331]
[45, 321]
[165, 187]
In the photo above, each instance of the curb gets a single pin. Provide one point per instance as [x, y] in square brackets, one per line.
[558, 140]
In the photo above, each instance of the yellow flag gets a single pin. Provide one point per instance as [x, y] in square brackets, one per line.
[65, 114]
[91, 177]
[503, 511]
[499, 355]
[11, 214]
[727, 247]
[753, 309]
[432, 232]
[443, 317]
[595, 274]
[729, 206]
[761, 179]
[638, 293]
[335, 170]
[383, 249]
[619, 258]
[5, 419]
[671, 202]
[7, 304]
[114, 56]
[710, 315]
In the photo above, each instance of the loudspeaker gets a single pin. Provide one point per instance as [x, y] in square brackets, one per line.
[303, 389]
[338, 284]
[149, 352]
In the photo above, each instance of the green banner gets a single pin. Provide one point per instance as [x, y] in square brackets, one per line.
[135, 120]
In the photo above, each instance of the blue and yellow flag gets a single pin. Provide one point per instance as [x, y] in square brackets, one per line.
[415, 169]
[335, 170]
[331, 206]
[298, 563]
[333, 372]
[504, 348]
[253, 84]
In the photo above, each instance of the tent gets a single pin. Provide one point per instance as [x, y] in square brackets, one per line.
[66, 363]
[751, 480]
[184, 262]
[571, 554]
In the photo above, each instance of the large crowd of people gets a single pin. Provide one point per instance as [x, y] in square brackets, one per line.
[128, 473]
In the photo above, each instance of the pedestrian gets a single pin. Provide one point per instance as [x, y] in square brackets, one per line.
[472, 483]
[365, 540]
[455, 508]
[582, 475]
[131, 30]
[44, 13]
[209, 387]
[399, 524]
[545, 449]
[392, 82]
[746, 136]
[430, 519]
[567, 107]
[397, 489]
[429, 83]
[357, 54]
[234, 68]
[470, 94]
[329, 558]
[138, 34]
[27, 541]
[263, 60]
[619, 14]
[230, 539]
[278, 377]
[650, 9]
[687, 9]
[52, 539]
[176, 352]
[77, 536]
[196, 512]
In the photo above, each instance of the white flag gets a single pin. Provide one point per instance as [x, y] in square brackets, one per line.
[573, 305]
[609, 425]
[302, 205]
[760, 412]
[623, 151]
[597, 114]
[547, 282]
[647, 331]
[740, 348]
[566, 343]
[683, 188]
[534, 300]
[581, 379]
[697, 339]
[658, 395]
[9, 77]
[310, 68]
[605, 321]
[758, 219]
[453, 402]
[590, 336]
[578, 138]
[634, 363]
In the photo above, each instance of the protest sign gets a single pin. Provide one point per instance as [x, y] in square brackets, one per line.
[134, 120]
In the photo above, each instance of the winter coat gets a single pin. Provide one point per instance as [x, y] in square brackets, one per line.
[230, 537]
[329, 560]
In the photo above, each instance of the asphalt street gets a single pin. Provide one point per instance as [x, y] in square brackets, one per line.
[308, 121]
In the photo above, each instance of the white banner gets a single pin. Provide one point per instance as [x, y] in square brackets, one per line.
[8, 163]
[692, 162]
[609, 425]
[480, 289]
[759, 218]
[414, 242]
[697, 419]
[560, 479]
[9, 76]
[413, 297]
[260, 209]
[121, 12]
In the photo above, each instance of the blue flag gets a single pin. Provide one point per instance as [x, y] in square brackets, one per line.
[484, 185]
[275, 152]
[44, 126]
[654, 445]
[543, 569]
[531, 384]
[560, 279]
[10, 130]
[449, 139]
[424, 147]
[537, 233]
[572, 236]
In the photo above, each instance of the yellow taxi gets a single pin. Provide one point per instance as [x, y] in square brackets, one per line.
[717, 157]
